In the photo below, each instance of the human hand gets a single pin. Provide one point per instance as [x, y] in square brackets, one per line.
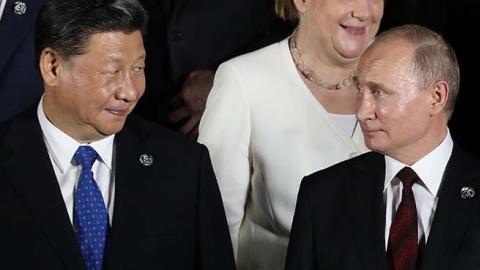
[189, 103]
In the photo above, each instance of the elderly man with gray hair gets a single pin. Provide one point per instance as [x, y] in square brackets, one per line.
[86, 186]
[412, 202]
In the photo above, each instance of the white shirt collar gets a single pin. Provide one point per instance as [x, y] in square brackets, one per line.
[62, 147]
[430, 168]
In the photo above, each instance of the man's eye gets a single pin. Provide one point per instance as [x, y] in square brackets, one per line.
[377, 92]
[111, 72]
[139, 69]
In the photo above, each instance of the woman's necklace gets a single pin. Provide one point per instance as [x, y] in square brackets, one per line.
[308, 73]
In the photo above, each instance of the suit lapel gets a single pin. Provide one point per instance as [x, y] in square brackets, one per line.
[453, 214]
[131, 178]
[29, 168]
[367, 211]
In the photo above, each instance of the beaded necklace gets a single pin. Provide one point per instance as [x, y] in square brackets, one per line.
[308, 73]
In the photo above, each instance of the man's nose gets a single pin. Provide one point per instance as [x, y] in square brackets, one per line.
[128, 88]
[365, 107]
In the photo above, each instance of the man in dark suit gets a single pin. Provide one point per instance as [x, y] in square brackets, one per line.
[20, 84]
[187, 40]
[410, 204]
[82, 186]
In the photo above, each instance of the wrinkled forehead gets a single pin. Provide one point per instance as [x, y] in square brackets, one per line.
[386, 61]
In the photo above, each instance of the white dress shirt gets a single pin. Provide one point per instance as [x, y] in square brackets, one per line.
[430, 170]
[61, 149]
[2, 8]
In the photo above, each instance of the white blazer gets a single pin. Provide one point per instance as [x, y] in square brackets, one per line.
[265, 132]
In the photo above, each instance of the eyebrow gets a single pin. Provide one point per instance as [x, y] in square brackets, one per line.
[376, 85]
[142, 56]
[115, 58]
[370, 84]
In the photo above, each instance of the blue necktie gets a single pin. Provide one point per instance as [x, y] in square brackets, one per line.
[90, 220]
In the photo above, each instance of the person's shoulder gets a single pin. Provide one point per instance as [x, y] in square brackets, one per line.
[261, 57]
[154, 132]
[341, 174]
[15, 129]
[265, 68]
[18, 122]
[160, 137]
[172, 151]
[463, 160]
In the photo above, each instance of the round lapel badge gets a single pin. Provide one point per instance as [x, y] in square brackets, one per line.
[146, 160]
[19, 7]
[467, 193]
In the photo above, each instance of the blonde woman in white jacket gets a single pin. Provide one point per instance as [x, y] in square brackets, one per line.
[283, 112]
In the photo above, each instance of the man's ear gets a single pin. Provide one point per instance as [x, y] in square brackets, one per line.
[439, 97]
[49, 64]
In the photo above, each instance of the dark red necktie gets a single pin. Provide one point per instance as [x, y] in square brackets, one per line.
[402, 250]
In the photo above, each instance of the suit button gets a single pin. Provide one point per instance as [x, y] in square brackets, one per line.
[352, 155]
[175, 35]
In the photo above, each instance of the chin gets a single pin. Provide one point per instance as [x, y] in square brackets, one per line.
[375, 146]
[111, 129]
[351, 50]
[351, 53]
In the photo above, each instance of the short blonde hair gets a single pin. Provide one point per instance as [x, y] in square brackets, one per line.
[287, 10]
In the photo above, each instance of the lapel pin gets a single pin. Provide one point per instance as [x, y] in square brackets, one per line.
[467, 193]
[146, 159]
[19, 7]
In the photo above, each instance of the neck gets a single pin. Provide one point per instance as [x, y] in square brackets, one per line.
[310, 74]
[67, 125]
[413, 153]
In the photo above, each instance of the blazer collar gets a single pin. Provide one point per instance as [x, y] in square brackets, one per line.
[368, 211]
[454, 213]
[132, 178]
[26, 164]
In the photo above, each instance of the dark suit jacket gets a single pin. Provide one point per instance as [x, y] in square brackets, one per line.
[339, 222]
[20, 83]
[166, 216]
[186, 35]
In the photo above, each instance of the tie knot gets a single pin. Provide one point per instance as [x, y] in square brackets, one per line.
[408, 177]
[85, 156]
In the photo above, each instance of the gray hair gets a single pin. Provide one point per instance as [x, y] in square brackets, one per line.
[433, 60]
